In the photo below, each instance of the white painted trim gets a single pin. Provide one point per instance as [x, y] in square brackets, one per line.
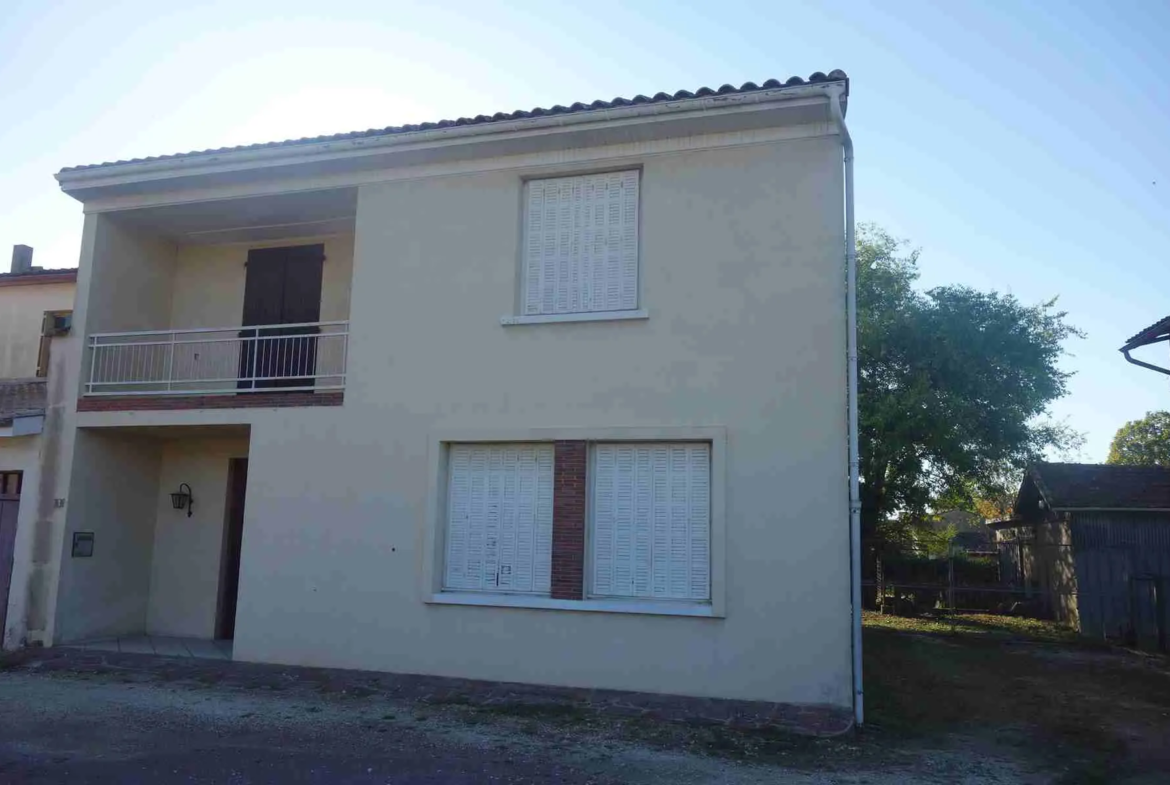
[702, 610]
[588, 316]
[431, 568]
[530, 165]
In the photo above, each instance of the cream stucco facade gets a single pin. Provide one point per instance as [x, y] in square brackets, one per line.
[38, 456]
[742, 345]
[22, 309]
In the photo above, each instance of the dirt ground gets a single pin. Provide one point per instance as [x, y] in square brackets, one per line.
[1065, 707]
[988, 701]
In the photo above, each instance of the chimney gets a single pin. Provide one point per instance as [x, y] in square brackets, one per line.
[22, 259]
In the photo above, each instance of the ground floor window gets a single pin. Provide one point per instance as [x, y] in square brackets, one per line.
[499, 518]
[650, 534]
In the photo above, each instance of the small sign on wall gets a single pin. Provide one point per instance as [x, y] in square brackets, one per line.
[82, 545]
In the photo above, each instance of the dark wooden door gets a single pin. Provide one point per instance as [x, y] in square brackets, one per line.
[10, 483]
[282, 286]
[233, 538]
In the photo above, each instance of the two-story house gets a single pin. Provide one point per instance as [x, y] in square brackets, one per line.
[554, 396]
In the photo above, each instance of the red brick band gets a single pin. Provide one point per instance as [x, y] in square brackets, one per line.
[568, 536]
[138, 403]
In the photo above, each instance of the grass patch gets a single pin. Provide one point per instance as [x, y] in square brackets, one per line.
[980, 624]
[1071, 702]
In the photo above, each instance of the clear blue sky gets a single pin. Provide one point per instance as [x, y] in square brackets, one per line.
[1021, 145]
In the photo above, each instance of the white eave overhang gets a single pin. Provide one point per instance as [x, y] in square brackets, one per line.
[796, 105]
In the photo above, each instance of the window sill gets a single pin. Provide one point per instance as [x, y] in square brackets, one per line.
[644, 607]
[592, 316]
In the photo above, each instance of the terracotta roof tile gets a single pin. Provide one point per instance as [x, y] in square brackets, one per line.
[727, 89]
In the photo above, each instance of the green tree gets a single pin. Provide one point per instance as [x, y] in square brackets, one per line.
[953, 382]
[1144, 442]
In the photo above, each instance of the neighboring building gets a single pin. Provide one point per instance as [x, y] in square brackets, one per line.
[970, 533]
[35, 304]
[35, 311]
[554, 397]
[1094, 540]
[1158, 332]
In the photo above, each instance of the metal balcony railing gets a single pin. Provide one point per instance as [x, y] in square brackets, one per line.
[307, 357]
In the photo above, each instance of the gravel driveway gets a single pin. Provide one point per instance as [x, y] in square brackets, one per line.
[125, 724]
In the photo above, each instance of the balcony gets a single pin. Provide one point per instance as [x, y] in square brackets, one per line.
[220, 304]
[308, 358]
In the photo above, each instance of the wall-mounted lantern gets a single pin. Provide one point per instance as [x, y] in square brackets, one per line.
[182, 499]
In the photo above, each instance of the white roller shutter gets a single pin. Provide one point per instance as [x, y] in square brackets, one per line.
[499, 518]
[581, 244]
[651, 535]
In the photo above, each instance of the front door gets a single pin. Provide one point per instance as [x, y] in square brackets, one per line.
[233, 538]
[10, 483]
[282, 287]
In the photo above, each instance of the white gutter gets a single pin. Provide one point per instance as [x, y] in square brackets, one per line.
[836, 93]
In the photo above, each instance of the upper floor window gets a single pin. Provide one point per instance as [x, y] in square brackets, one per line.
[54, 324]
[581, 244]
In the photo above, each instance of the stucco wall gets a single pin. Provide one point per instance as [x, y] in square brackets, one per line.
[113, 487]
[130, 279]
[37, 552]
[20, 454]
[742, 274]
[184, 584]
[209, 281]
[21, 311]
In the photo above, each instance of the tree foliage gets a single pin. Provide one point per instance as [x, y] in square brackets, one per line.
[954, 384]
[1144, 442]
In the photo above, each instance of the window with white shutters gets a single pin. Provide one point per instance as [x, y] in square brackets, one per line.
[651, 514]
[499, 518]
[581, 244]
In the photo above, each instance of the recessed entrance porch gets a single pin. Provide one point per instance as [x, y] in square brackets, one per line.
[152, 555]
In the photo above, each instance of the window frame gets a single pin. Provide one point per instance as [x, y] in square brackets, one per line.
[445, 523]
[519, 317]
[430, 586]
[48, 333]
[591, 527]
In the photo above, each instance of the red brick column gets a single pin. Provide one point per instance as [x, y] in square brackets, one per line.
[568, 536]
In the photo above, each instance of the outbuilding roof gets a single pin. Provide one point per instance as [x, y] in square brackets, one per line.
[598, 105]
[1072, 486]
